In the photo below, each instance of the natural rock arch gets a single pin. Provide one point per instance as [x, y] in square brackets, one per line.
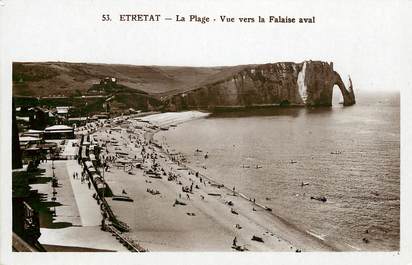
[348, 95]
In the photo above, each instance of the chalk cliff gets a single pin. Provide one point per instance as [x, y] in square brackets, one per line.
[309, 83]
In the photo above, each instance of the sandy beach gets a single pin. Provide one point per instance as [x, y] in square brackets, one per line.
[175, 208]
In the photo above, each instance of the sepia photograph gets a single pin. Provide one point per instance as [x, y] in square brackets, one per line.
[270, 157]
[209, 129]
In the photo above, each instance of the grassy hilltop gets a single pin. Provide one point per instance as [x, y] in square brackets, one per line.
[74, 79]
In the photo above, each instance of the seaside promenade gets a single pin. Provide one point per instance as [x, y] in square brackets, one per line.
[75, 224]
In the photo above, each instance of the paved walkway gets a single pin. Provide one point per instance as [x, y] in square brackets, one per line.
[85, 237]
[67, 213]
[88, 208]
[77, 220]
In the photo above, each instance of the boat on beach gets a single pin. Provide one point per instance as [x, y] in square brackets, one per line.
[122, 198]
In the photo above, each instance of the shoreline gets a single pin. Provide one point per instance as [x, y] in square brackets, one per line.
[277, 233]
[248, 199]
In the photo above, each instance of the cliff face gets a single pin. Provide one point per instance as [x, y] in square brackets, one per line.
[309, 83]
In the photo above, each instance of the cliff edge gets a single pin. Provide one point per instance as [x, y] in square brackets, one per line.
[309, 83]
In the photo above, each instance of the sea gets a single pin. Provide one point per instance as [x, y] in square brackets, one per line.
[349, 155]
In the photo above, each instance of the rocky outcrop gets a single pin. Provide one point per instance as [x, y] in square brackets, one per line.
[309, 83]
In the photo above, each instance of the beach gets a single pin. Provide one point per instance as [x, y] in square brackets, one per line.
[175, 208]
[339, 154]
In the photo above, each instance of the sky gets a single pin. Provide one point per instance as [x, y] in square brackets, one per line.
[364, 39]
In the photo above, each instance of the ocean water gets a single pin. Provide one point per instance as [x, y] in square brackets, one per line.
[350, 155]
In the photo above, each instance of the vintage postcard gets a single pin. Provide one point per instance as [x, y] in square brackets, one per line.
[205, 132]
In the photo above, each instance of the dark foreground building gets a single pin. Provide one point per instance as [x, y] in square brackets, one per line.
[26, 227]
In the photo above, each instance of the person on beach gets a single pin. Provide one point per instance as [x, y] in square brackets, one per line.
[74, 176]
[235, 242]
[188, 197]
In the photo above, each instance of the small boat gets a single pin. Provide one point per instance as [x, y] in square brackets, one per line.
[240, 248]
[177, 202]
[214, 194]
[122, 198]
[293, 161]
[154, 176]
[233, 211]
[320, 198]
[257, 238]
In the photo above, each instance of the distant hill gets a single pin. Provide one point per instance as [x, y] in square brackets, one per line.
[73, 79]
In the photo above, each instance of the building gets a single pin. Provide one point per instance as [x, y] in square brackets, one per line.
[59, 132]
[33, 133]
[62, 110]
[62, 113]
[16, 153]
[77, 121]
[25, 220]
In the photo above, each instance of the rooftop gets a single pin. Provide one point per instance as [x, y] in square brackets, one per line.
[58, 128]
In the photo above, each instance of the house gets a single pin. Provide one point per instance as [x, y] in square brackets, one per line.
[62, 111]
